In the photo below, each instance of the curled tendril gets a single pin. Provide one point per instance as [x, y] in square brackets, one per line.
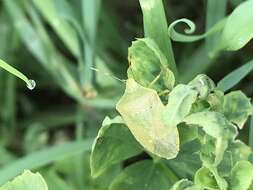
[176, 36]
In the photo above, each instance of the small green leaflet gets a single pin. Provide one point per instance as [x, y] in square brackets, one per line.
[208, 179]
[237, 108]
[26, 181]
[242, 176]
[179, 104]
[215, 125]
[113, 144]
[141, 109]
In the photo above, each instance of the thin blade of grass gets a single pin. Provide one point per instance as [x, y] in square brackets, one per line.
[90, 15]
[235, 77]
[42, 158]
[64, 30]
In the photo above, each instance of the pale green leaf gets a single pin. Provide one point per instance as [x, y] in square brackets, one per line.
[209, 180]
[179, 104]
[113, 144]
[241, 176]
[238, 30]
[141, 175]
[26, 181]
[141, 109]
[213, 123]
[237, 108]
[235, 152]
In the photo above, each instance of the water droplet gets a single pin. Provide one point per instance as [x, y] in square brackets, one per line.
[31, 85]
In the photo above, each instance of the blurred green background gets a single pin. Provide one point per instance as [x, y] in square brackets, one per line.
[75, 50]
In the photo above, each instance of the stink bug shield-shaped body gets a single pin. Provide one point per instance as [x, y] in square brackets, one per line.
[142, 110]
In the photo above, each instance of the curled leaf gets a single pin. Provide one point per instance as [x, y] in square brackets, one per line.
[141, 109]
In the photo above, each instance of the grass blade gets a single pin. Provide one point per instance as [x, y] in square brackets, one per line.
[235, 77]
[90, 13]
[42, 158]
[30, 83]
[64, 30]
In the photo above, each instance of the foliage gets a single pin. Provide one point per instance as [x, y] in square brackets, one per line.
[174, 128]
[154, 110]
[27, 181]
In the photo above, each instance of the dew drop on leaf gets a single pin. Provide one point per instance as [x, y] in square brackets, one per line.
[31, 85]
